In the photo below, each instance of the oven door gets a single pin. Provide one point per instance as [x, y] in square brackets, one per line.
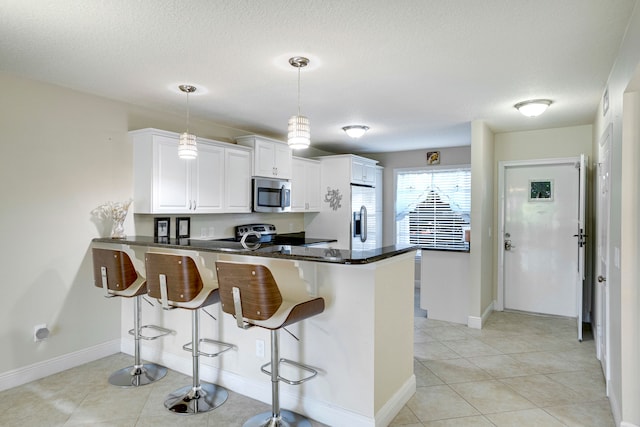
[271, 195]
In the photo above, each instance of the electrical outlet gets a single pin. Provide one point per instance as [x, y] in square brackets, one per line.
[40, 332]
[260, 349]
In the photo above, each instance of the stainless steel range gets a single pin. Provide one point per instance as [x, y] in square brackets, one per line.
[267, 232]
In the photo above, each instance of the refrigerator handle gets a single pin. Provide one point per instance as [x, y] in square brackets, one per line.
[364, 219]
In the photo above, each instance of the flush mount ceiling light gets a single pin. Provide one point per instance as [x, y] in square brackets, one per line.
[533, 107]
[355, 131]
[187, 148]
[299, 131]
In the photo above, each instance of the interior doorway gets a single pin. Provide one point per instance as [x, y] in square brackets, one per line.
[542, 237]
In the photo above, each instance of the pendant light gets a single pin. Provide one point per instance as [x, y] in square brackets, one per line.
[187, 148]
[299, 132]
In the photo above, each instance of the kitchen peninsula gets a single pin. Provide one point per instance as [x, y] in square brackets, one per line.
[362, 344]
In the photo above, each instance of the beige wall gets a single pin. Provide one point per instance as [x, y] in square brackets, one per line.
[410, 159]
[482, 213]
[63, 153]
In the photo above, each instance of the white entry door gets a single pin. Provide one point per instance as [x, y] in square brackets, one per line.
[542, 270]
[602, 254]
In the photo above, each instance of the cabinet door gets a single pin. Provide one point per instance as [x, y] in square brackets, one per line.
[238, 181]
[357, 171]
[369, 173]
[282, 161]
[171, 177]
[313, 202]
[264, 156]
[298, 185]
[208, 186]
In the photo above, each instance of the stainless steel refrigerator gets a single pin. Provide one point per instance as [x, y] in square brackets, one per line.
[363, 218]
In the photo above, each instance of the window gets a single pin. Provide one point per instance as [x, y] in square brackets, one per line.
[433, 208]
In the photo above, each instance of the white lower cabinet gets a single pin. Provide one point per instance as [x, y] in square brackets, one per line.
[305, 185]
[218, 181]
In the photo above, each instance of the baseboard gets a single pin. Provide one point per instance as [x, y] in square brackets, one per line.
[626, 424]
[324, 412]
[26, 374]
[475, 322]
[389, 411]
[615, 406]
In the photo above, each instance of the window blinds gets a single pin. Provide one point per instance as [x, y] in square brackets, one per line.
[433, 208]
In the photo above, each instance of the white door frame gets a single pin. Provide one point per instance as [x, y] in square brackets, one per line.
[502, 166]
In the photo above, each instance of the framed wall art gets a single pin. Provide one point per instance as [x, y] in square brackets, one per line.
[183, 227]
[161, 228]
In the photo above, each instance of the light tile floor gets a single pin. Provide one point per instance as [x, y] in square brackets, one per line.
[520, 370]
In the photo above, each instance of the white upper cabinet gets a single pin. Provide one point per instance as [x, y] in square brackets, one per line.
[305, 185]
[164, 183]
[271, 158]
[238, 180]
[363, 171]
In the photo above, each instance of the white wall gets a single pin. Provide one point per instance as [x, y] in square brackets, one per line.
[624, 337]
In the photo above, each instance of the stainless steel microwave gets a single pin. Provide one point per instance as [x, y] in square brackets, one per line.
[271, 195]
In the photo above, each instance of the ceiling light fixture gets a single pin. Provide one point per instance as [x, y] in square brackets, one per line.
[355, 131]
[299, 131]
[533, 107]
[187, 147]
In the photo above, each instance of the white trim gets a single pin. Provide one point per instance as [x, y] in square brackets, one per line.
[388, 412]
[475, 322]
[614, 403]
[626, 424]
[502, 165]
[26, 374]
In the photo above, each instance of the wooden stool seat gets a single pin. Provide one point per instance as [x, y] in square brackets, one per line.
[114, 272]
[175, 280]
[250, 293]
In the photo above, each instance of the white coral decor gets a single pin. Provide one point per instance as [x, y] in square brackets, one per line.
[117, 212]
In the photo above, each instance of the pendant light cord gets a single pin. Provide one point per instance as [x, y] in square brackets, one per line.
[187, 112]
[298, 90]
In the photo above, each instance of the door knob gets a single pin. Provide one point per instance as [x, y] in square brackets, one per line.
[507, 245]
[601, 279]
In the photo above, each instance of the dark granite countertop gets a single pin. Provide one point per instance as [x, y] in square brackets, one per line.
[294, 250]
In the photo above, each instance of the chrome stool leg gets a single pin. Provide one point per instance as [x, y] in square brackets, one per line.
[139, 374]
[200, 397]
[278, 417]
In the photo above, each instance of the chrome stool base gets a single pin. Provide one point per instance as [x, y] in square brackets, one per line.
[136, 376]
[192, 400]
[286, 419]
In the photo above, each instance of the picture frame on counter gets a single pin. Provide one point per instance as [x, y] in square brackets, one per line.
[183, 227]
[161, 227]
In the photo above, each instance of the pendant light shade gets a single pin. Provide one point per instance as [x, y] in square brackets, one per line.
[299, 135]
[299, 130]
[187, 147]
[533, 107]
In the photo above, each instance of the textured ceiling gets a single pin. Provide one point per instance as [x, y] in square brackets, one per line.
[416, 71]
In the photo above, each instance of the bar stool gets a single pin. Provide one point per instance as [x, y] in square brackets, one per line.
[174, 279]
[251, 294]
[114, 272]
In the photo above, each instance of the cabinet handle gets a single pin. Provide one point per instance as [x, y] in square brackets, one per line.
[194, 205]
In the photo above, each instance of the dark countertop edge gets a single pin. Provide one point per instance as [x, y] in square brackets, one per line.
[308, 253]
